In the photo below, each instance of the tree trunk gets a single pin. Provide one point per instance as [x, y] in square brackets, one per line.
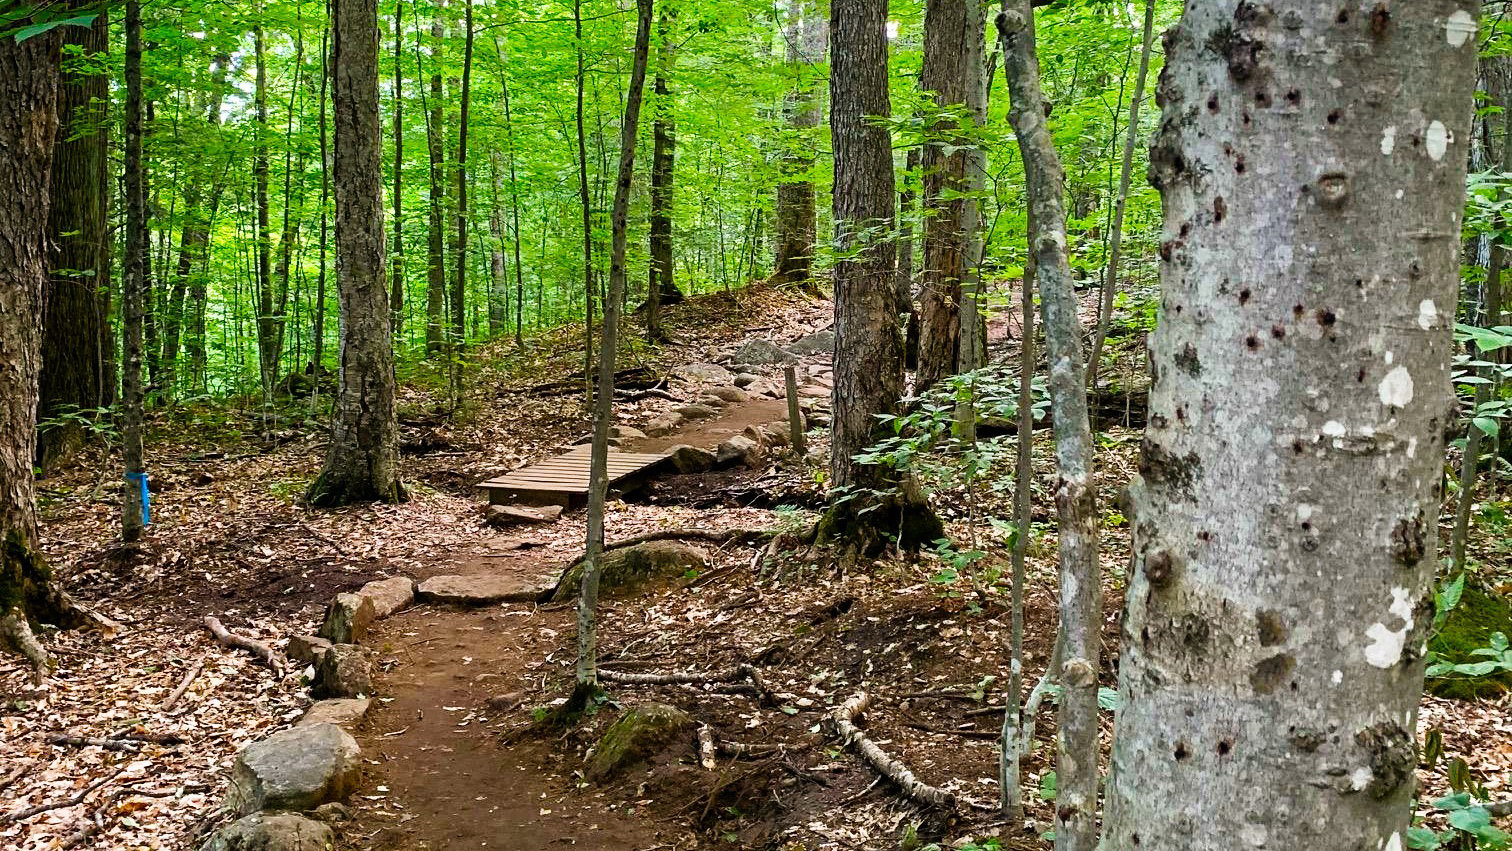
[868, 343]
[269, 329]
[435, 135]
[907, 198]
[663, 161]
[459, 278]
[28, 123]
[514, 206]
[971, 352]
[1285, 526]
[1115, 237]
[498, 279]
[807, 34]
[587, 637]
[74, 309]
[1076, 495]
[363, 461]
[943, 77]
[134, 289]
[396, 286]
[317, 332]
[587, 206]
[290, 232]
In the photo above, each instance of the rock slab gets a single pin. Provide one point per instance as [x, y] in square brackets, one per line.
[762, 353]
[691, 459]
[295, 769]
[484, 589]
[307, 648]
[628, 568]
[642, 732]
[816, 343]
[389, 595]
[708, 373]
[272, 832]
[509, 515]
[739, 450]
[344, 712]
[342, 671]
[348, 618]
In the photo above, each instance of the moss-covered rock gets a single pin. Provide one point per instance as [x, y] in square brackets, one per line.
[641, 733]
[1468, 628]
[627, 569]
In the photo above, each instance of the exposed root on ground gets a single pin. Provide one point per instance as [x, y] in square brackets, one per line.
[913, 788]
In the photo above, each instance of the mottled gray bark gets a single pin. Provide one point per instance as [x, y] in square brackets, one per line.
[1075, 495]
[362, 463]
[1311, 159]
[603, 418]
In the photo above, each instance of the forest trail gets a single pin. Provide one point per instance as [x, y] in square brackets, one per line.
[445, 771]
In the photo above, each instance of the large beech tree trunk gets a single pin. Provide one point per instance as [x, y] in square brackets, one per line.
[1075, 493]
[868, 357]
[73, 375]
[603, 414]
[363, 461]
[662, 286]
[435, 138]
[1312, 166]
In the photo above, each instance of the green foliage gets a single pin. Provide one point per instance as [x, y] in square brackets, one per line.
[1470, 827]
[1465, 657]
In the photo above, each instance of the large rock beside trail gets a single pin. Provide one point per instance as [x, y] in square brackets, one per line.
[510, 515]
[729, 394]
[739, 450]
[706, 373]
[389, 595]
[690, 459]
[664, 424]
[628, 568]
[696, 411]
[746, 379]
[348, 618]
[342, 671]
[272, 832]
[483, 589]
[295, 769]
[344, 712]
[816, 343]
[762, 353]
[641, 733]
[307, 648]
[627, 432]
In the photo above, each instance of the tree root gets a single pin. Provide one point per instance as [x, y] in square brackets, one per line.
[738, 674]
[914, 789]
[261, 653]
[17, 632]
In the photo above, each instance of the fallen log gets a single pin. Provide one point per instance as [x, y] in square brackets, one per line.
[737, 674]
[913, 788]
[261, 653]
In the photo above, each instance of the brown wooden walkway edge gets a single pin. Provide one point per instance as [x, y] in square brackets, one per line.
[563, 480]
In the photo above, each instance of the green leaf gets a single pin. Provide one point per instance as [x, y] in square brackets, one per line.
[1457, 801]
[1488, 425]
[1470, 819]
[43, 26]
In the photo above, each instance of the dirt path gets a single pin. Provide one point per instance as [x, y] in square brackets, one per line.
[442, 774]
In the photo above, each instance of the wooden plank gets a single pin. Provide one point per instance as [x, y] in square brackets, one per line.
[569, 473]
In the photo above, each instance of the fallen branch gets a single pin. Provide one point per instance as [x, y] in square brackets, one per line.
[15, 631]
[914, 789]
[969, 734]
[117, 745]
[260, 652]
[743, 749]
[738, 674]
[723, 537]
[183, 685]
[13, 776]
[73, 801]
[705, 747]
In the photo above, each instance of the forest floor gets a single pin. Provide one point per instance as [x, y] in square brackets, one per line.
[454, 755]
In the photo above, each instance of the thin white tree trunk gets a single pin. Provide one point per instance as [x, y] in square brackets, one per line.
[1075, 498]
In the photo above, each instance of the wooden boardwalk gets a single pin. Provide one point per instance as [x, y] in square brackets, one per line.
[563, 480]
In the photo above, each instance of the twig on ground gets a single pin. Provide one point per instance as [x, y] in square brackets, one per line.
[969, 734]
[73, 801]
[262, 653]
[183, 685]
[851, 799]
[13, 775]
[117, 745]
[742, 749]
[914, 789]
